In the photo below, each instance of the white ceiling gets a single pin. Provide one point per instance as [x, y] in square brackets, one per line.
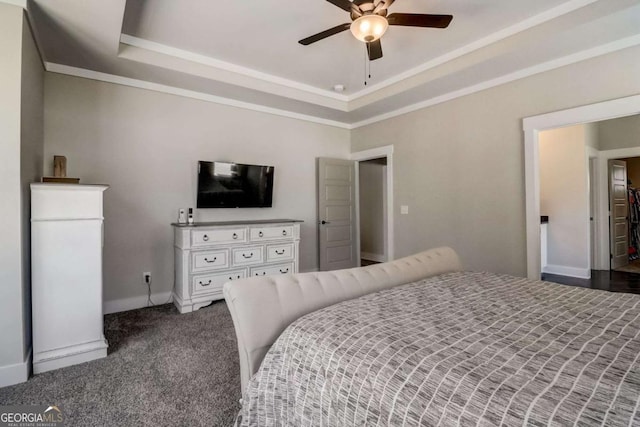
[245, 53]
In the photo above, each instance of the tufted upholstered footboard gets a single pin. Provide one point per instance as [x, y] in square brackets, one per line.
[262, 307]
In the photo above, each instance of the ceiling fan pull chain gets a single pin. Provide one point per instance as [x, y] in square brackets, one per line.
[365, 66]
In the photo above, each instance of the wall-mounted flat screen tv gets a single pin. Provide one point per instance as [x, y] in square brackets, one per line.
[234, 185]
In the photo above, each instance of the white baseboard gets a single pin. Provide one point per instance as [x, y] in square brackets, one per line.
[16, 374]
[68, 356]
[562, 270]
[373, 257]
[126, 304]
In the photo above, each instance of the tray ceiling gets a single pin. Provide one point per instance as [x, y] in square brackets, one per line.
[246, 53]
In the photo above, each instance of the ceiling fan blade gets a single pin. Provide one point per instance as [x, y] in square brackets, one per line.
[342, 4]
[323, 35]
[374, 49]
[419, 20]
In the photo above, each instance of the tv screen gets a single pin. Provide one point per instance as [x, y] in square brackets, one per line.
[234, 185]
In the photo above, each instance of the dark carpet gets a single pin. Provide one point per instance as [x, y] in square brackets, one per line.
[163, 369]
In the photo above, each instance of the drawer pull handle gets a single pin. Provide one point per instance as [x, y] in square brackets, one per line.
[205, 284]
[210, 261]
[264, 273]
[284, 232]
[231, 277]
[285, 271]
[260, 234]
[280, 252]
[235, 236]
[205, 238]
[245, 256]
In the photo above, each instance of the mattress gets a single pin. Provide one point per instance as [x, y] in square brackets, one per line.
[456, 349]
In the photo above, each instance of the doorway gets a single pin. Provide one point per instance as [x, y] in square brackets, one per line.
[532, 126]
[625, 224]
[372, 191]
[378, 245]
[564, 200]
[338, 193]
[570, 175]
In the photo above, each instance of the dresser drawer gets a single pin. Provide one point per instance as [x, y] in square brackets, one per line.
[247, 255]
[283, 251]
[271, 233]
[207, 283]
[209, 260]
[212, 237]
[272, 270]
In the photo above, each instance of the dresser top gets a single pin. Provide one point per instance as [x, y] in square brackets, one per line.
[251, 222]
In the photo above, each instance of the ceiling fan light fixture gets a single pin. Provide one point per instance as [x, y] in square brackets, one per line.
[369, 28]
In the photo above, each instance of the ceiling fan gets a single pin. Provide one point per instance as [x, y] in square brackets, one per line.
[370, 21]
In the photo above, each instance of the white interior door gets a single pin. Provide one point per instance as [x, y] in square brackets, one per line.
[336, 214]
[618, 213]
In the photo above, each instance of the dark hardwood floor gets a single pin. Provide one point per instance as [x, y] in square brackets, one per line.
[615, 281]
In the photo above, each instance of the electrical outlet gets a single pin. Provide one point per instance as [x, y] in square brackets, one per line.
[146, 278]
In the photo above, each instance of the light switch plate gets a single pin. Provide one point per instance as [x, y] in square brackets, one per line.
[404, 210]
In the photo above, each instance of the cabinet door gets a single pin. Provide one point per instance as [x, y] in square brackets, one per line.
[66, 278]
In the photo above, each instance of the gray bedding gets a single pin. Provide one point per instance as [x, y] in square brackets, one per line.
[456, 349]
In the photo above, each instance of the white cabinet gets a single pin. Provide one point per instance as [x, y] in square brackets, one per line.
[207, 255]
[66, 274]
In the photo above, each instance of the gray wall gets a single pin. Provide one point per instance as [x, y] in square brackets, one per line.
[460, 165]
[32, 150]
[619, 133]
[146, 145]
[591, 137]
[11, 318]
[21, 147]
[372, 207]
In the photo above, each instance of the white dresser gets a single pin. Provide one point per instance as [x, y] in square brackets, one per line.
[207, 255]
[66, 274]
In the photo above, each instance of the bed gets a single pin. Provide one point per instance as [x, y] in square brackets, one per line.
[419, 342]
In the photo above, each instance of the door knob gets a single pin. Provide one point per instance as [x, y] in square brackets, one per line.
[325, 222]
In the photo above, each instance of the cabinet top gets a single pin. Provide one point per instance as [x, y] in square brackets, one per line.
[250, 222]
[58, 186]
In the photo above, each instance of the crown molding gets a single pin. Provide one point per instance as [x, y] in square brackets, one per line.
[338, 102]
[235, 74]
[156, 87]
[254, 79]
[521, 26]
[540, 68]
[536, 69]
